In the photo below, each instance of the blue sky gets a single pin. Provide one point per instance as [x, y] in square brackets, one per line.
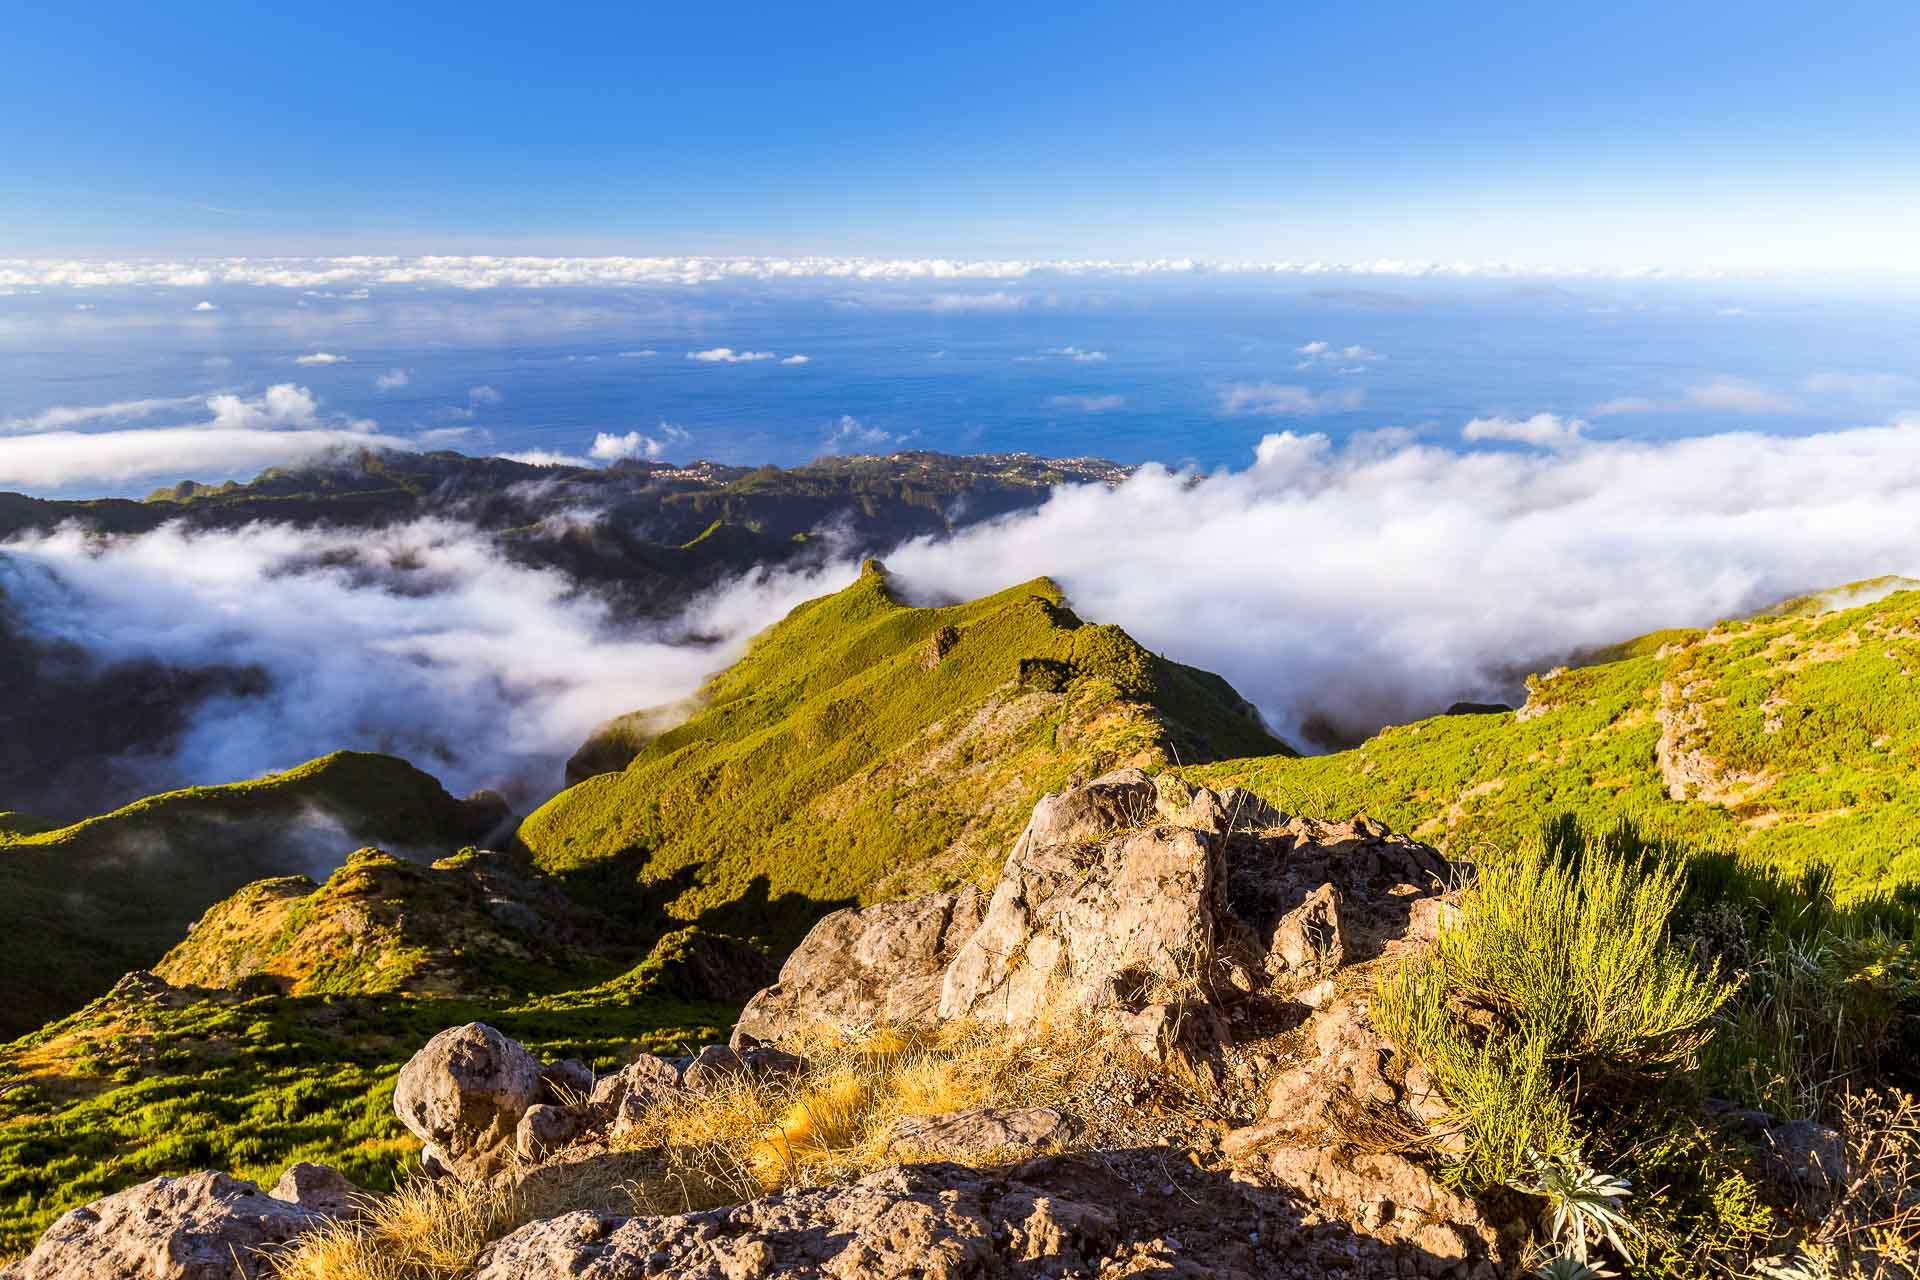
[1772, 135]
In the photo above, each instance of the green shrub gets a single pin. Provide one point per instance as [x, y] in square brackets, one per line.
[1557, 981]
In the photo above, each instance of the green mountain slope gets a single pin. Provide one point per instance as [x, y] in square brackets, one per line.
[864, 746]
[82, 904]
[1793, 740]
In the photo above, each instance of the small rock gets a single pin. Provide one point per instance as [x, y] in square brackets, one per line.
[319, 1188]
[716, 1064]
[1014, 1132]
[546, 1128]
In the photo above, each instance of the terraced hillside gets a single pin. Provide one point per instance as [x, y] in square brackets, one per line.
[1791, 737]
[863, 747]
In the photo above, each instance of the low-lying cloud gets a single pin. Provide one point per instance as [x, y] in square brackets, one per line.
[420, 640]
[1280, 400]
[240, 434]
[1382, 581]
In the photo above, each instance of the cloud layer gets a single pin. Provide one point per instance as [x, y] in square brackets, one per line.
[496, 272]
[419, 640]
[1385, 580]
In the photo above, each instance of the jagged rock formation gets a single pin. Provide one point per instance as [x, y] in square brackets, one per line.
[464, 1095]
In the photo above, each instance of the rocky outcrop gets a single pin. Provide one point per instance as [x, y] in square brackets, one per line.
[880, 965]
[1123, 1214]
[463, 1095]
[205, 1226]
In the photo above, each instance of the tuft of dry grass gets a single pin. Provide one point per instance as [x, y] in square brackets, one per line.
[424, 1230]
[747, 1138]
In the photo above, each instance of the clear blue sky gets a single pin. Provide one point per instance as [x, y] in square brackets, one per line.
[1765, 133]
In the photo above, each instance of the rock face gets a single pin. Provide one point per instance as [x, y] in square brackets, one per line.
[883, 964]
[985, 1131]
[205, 1226]
[1123, 1214]
[464, 1094]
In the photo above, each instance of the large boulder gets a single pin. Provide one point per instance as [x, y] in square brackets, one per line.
[1097, 908]
[321, 1189]
[874, 966]
[463, 1095]
[205, 1226]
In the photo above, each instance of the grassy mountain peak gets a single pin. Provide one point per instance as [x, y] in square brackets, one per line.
[865, 746]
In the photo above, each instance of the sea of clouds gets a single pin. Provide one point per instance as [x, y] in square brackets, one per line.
[1357, 585]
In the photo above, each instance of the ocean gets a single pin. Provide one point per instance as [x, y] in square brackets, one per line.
[1188, 371]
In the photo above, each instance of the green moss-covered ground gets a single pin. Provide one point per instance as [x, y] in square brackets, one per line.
[1803, 733]
[136, 1086]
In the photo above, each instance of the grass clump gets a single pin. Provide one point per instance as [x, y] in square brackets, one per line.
[1559, 978]
[423, 1230]
[837, 1121]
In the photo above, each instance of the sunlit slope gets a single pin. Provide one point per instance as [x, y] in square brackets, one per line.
[82, 904]
[864, 746]
[1793, 739]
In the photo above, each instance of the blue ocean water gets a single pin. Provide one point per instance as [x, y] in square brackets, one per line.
[1177, 371]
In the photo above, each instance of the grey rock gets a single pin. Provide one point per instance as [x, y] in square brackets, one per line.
[1308, 937]
[546, 1128]
[871, 966]
[463, 1095]
[717, 1064]
[204, 1226]
[997, 1131]
[319, 1188]
[640, 1082]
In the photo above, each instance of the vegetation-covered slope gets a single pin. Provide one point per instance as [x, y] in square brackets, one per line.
[1794, 740]
[82, 904]
[864, 746]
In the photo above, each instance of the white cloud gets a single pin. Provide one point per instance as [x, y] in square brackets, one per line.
[502, 272]
[440, 437]
[244, 436]
[1079, 354]
[320, 357]
[204, 306]
[218, 362]
[727, 355]
[608, 447]
[638, 355]
[1737, 395]
[392, 380]
[1277, 400]
[1088, 404]
[545, 458]
[1348, 361]
[422, 640]
[797, 360]
[851, 433]
[1545, 430]
[1385, 580]
[61, 416]
[483, 394]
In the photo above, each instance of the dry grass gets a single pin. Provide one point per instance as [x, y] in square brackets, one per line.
[1874, 1225]
[423, 1231]
[747, 1138]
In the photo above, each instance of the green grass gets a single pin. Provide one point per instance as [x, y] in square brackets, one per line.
[1559, 978]
[861, 738]
[1812, 722]
[126, 1090]
[82, 904]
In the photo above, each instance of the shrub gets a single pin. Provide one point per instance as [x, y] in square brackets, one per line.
[1558, 980]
